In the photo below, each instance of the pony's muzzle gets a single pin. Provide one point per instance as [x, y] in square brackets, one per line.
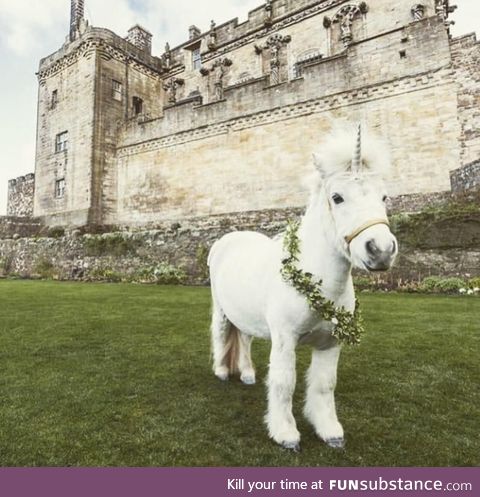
[379, 258]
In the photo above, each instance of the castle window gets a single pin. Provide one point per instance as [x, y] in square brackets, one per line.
[54, 101]
[137, 105]
[403, 54]
[196, 59]
[61, 142]
[117, 89]
[60, 188]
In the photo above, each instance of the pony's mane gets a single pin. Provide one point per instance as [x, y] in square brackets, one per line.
[335, 153]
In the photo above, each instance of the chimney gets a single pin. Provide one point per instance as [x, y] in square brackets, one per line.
[194, 32]
[77, 15]
[141, 38]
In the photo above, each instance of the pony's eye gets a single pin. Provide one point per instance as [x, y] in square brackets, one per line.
[385, 198]
[338, 199]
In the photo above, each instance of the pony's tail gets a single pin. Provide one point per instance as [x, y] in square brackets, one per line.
[232, 350]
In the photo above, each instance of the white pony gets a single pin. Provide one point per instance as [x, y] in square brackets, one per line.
[345, 225]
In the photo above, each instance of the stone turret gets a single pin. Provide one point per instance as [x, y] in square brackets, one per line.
[77, 18]
[141, 38]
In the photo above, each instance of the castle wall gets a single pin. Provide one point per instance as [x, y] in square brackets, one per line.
[76, 95]
[20, 196]
[251, 150]
[137, 82]
[303, 21]
[238, 134]
[466, 178]
[374, 61]
[73, 113]
[466, 61]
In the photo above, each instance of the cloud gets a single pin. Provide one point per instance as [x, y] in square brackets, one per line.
[24, 24]
[116, 15]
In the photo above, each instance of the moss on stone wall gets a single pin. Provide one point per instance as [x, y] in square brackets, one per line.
[442, 241]
[454, 225]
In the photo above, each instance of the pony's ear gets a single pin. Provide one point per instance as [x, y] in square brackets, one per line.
[317, 162]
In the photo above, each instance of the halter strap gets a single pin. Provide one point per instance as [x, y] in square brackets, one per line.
[349, 239]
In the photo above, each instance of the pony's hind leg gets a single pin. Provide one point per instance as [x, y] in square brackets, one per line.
[245, 365]
[220, 330]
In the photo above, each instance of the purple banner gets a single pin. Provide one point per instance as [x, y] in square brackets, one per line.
[237, 482]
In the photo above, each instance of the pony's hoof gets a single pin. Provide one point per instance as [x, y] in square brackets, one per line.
[248, 380]
[336, 443]
[222, 376]
[293, 446]
[221, 373]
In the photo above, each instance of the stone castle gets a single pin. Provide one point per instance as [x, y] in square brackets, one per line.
[226, 122]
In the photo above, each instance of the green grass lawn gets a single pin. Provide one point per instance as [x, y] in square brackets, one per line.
[120, 375]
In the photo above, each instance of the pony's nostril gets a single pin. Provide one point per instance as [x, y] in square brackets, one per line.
[394, 246]
[372, 249]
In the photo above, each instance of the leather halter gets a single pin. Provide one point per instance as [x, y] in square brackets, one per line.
[349, 239]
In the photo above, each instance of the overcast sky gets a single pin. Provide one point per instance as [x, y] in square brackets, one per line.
[31, 29]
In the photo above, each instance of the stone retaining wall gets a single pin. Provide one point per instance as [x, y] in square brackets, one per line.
[17, 227]
[445, 245]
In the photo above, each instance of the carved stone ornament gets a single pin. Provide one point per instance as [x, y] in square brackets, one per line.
[443, 9]
[218, 69]
[345, 17]
[167, 56]
[268, 18]
[171, 87]
[212, 39]
[418, 12]
[274, 44]
[220, 64]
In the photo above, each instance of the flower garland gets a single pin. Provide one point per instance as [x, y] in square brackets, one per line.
[348, 327]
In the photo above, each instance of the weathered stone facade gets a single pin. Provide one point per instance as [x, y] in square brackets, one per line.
[227, 121]
[466, 178]
[466, 61]
[20, 196]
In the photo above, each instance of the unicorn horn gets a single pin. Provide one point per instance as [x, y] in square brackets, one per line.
[357, 156]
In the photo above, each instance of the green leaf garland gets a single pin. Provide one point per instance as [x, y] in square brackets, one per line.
[348, 327]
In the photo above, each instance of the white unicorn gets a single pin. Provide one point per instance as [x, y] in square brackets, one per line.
[345, 225]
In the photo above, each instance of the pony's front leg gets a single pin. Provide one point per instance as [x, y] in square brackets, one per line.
[281, 385]
[320, 402]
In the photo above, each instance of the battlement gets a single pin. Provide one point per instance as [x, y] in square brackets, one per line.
[20, 196]
[277, 15]
[355, 75]
[28, 178]
[266, 16]
[103, 40]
